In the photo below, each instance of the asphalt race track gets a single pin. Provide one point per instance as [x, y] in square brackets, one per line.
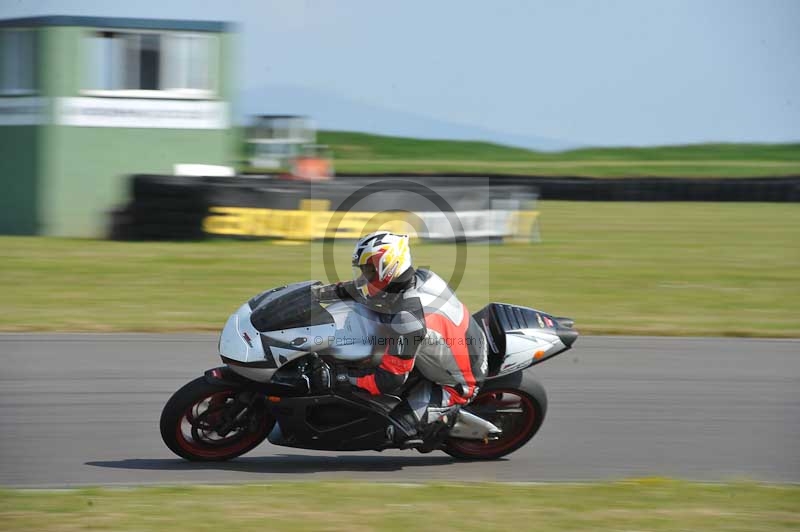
[80, 409]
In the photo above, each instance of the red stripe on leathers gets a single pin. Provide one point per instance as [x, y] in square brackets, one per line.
[369, 384]
[456, 336]
[396, 365]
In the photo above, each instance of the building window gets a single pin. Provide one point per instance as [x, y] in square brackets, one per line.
[188, 57]
[176, 64]
[17, 61]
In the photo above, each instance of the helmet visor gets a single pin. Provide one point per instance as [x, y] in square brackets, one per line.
[366, 279]
[369, 272]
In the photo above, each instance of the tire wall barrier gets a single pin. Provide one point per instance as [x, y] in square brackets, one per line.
[489, 207]
[181, 208]
[761, 189]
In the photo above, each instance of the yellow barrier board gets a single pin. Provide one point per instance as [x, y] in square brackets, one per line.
[315, 223]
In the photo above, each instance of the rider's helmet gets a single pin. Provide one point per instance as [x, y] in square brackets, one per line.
[378, 259]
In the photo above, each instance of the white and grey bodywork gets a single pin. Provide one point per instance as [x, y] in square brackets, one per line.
[352, 338]
[525, 347]
[350, 332]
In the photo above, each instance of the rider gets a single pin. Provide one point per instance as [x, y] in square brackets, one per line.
[428, 328]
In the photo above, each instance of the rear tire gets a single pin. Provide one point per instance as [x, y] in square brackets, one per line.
[192, 414]
[519, 390]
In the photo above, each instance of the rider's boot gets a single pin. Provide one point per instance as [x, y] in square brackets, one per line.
[426, 434]
[406, 432]
[439, 422]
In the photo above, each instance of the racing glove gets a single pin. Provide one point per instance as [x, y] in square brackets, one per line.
[333, 292]
[325, 379]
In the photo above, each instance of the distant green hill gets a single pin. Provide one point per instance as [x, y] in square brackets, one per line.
[361, 153]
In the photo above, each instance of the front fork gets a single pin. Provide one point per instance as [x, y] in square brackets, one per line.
[245, 401]
[251, 397]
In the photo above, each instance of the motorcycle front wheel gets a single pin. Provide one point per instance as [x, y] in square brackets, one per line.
[516, 404]
[208, 422]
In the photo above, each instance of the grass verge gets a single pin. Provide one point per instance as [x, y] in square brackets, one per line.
[361, 153]
[628, 505]
[617, 268]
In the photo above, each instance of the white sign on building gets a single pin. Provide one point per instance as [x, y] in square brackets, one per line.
[142, 113]
[22, 111]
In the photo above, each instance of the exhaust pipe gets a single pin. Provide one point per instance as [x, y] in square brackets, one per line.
[471, 427]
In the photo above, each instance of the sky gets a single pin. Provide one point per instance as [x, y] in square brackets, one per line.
[543, 74]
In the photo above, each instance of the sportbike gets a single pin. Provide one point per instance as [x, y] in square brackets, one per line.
[274, 345]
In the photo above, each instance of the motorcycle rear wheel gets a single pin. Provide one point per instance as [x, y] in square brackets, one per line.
[517, 404]
[194, 413]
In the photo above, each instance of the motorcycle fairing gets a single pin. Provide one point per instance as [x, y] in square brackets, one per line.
[519, 337]
[284, 386]
[287, 307]
[350, 333]
[330, 423]
[240, 340]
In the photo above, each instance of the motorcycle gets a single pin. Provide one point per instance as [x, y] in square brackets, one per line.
[274, 344]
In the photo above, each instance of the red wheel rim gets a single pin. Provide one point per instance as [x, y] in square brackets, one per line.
[513, 432]
[205, 443]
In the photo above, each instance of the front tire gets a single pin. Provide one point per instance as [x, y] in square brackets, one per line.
[192, 416]
[517, 404]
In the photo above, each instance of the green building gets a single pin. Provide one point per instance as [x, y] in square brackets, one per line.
[87, 101]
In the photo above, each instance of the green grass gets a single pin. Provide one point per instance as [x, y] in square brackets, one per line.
[362, 153]
[651, 505]
[618, 268]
